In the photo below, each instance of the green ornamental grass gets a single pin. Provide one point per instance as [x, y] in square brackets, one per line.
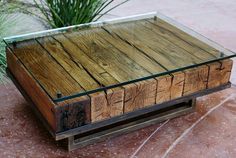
[60, 13]
[6, 22]
[53, 13]
[8, 26]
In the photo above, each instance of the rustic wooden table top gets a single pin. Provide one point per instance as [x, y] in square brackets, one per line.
[89, 73]
[90, 58]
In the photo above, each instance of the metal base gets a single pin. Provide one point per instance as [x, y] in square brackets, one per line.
[81, 140]
[90, 133]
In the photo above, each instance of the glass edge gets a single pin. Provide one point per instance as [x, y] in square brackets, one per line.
[139, 79]
[33, 35]
[180, 26]
[194, 33]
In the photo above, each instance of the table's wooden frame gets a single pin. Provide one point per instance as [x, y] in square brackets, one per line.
[98, 131]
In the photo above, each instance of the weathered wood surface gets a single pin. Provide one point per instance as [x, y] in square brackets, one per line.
[45, 71]
[219, 73]
[101, 103]
[92, 58]
[33, 89]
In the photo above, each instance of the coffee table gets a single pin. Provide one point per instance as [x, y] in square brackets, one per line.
[93, 81]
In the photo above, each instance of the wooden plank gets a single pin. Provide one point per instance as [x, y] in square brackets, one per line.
[78, 56]
[196, 58]
[167, 47]
[50, 75]
[214, 81]
[100, 75]
[162, 59]
[139, 95]
[32, 88]
[163, 89]
[169, 62]
[195, 79]
[115, 101]
[76, 70]
[170, 87]
[178, 41]
[72, 113]
[182, 43]
[177, 85]
[73, 68]
[118, 65]
[133, 53]
[219, 73]
[183, 35]
[109, 107]
[165, 92]
[173, 91]
[218, 78]
[200, 58]
[104, 106]
[177, 55]
[107, 56]
[101, 105]
[200, 38]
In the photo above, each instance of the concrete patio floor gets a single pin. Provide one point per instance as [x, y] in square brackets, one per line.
[208, 132]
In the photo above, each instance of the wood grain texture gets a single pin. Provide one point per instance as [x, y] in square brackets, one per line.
[72, 113]
[120, 67]
[101, 101]
[169, 87]
[177, 85]
[163, 89]
[75, 69]
[32, 88]
[99, 107]
[133, 53]
[195, 79]
[115, 101]
[183, 35]
[139, 95]
[77, 55]
[107, 56]
[45, 74]
[107, 106]
[219, 73]
[97, 57]
[51, 76]
[178, 41]
[161, 46]
[67, 62]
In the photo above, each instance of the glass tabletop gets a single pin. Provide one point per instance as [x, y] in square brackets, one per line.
[99, 56]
